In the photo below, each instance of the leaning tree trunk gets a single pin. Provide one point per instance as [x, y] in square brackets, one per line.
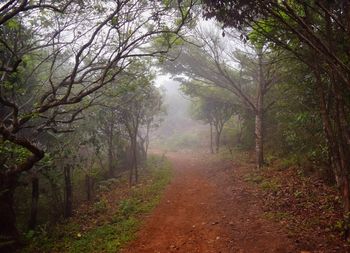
[35, 199]
[9, 236]
[343, 146]
[68, 192]
[336, 129]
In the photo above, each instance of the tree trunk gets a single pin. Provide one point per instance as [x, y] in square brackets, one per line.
[336, 126]
[110, 162]
[259, 140]
[147, 138]
[346, 196]
[142, 150]
[346, 201]
[110, 151]
[130, 163]
[56, 202]
[88, 187]
[9, 236]
[133, 168]
[217, 140]
[135, 160]
[343, 147]
[240, 130]
[211, 138]
[68, 193]
[35, 199]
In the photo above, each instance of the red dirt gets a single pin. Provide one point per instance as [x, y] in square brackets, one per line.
[208, 208]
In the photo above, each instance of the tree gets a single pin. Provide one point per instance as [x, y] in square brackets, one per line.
[316, 33]
[247, 75]
[54, 57]
[211, 106]
[151, 119]
[144, 105]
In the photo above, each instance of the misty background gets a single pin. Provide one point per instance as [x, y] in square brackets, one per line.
[177, 128]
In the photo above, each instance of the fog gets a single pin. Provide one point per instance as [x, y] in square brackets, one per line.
[177, 128]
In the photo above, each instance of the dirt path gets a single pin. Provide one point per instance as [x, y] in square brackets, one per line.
[206, 209]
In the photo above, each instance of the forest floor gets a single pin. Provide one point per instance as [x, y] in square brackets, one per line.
[209, 207]
[213, 204]
[217, 204]
[111, 220]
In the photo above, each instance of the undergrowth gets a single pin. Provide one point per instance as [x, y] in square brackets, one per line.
[307, 207]
[106, 226]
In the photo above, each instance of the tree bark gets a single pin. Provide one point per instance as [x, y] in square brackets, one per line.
[147, 138]
[88, 187]
[211, 138]
[336, 127]
[346, 200]
[131, 169]
[35, 199]
[9, 236]
[142, 149]
[240, 130]
[68, 193]
[135, 159]
[259, 140]
[110, 150]
[217, 140]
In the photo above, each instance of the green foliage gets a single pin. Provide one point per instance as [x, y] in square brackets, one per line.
[277, 216]
[100, 206]
[13, 24]
[298, 193]
[11, 154]
[253, 178]
[238, 133]
[343, 225]
[167, 40]
[270, 185]
[265, 184]
[118, 229]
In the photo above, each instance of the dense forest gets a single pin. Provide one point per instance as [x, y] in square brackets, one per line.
[80, 103]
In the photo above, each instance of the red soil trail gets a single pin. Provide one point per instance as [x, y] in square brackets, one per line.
[208, 208]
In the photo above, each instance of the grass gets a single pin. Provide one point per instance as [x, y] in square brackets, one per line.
[277, 216]
[234, 154]
[270, 185]
[253, 178]
[265, 184]
[117, 228]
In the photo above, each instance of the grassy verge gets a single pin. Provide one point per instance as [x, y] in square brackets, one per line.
[109, 223]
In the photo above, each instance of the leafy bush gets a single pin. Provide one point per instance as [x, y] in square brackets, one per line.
[115, 228]
[100, 206]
